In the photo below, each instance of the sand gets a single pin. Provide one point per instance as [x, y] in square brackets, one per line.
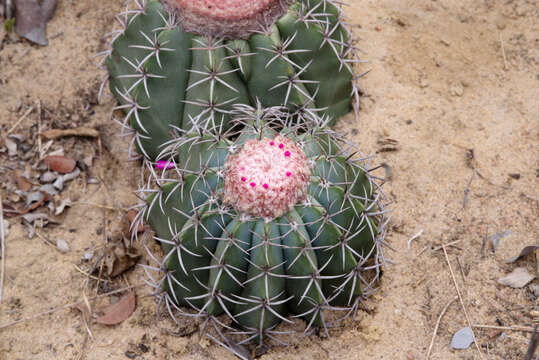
[452, 103]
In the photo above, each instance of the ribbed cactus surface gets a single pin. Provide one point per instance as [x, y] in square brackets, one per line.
[257, 224]
[186, 63]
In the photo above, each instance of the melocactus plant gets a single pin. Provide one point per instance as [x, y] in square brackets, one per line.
[257, 224]
[174, 62]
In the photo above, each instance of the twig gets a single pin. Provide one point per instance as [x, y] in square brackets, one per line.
[438, 324]
[99, 206]
[511, 328]
[47, 241]
[39, 149]
[32, 317]
[534, 342]
[85, 273]
[3, 249]
[20, 120]
[419, 233]
[461, 301]
[503, 52]
[448, 244]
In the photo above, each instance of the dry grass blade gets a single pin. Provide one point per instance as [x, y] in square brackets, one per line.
[461, 301]
[534, 342]
[11, 129]
[510, 328]
[438, 324]
[2, 250]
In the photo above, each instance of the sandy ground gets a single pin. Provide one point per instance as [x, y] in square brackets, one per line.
[452, 95]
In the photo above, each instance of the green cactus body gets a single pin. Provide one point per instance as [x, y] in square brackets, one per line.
[264, 223]
[169, 72]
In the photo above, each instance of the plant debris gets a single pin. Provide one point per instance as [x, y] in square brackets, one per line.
[518, 278]
[118, 259]
[80, 131]
[60, 164]
[495, 239]
[31, 19]
[525, 251]
[118, 312]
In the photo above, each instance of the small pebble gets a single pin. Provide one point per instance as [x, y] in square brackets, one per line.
[462, 339]
[62, 246]
[88, 255]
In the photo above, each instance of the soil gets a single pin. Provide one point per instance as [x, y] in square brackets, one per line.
[451, 106]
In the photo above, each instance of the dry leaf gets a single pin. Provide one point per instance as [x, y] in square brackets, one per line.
[9, 210]
[519, 278]
[35, 200]
[61, 207]
[31, 19]
[60, 164]
[22, 183]
[120, 311]
[80, 131]
[525, 251]
[118, 260]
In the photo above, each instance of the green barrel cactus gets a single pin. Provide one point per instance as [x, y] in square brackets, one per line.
[258, 223]
[173, 63]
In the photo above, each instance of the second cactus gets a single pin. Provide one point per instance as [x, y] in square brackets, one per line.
[183, 64]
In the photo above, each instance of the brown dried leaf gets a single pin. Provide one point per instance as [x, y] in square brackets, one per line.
[22, 183]
[80, 131]
[60, 164]
[518, 278]
[9, 210]
[30, 22]
[120, 311]
[118, 260]
[31, 19]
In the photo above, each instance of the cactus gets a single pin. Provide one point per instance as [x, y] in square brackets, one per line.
[186, 63]
[258, 223]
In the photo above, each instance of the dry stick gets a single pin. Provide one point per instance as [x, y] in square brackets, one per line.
[448, 244]
[503, 52]
[3, 250]
[20, 120]
[438, 324]
[461, 302]
[534, 343]
[68, 306]
[39, 129]
[511, 328]
[98, 206]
